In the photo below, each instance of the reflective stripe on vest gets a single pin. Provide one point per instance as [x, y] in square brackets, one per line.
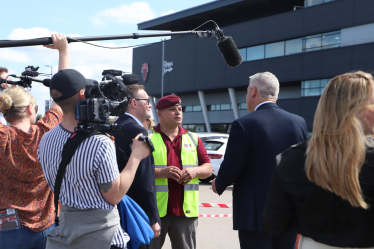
[189, 159]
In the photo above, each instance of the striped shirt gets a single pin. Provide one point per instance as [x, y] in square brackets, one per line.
[93, 162]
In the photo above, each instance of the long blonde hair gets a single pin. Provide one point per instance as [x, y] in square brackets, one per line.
[336, 150]
[13, 103]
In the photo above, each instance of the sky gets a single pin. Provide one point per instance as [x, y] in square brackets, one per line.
[23, 19]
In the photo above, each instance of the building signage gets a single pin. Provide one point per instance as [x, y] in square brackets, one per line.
[168, 67]
[145, 71]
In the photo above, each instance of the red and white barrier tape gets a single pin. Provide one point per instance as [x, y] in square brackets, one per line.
[215, 205]
[215, 215]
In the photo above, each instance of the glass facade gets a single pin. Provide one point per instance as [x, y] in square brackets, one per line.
[294, 46]
[255, 53]
[274, 49]
[313, 87]
[308, 3]
[221, 107]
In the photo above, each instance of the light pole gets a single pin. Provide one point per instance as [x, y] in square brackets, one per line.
[50, 98]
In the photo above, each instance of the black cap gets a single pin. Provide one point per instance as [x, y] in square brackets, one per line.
[68, 82]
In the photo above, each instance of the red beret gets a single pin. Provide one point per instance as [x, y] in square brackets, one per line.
[167, 101]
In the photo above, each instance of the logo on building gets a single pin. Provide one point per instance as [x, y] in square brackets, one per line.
[168, 67]
[145, 70]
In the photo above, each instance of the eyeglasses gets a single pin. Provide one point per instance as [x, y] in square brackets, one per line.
[145, 100]
[36, 109]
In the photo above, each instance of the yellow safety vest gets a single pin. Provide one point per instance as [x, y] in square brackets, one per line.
[189, 159]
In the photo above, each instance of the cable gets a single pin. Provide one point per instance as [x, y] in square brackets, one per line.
[139, 44]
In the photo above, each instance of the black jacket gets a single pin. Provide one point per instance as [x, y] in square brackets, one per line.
[253, 144]
[143, 188]
[296, 203]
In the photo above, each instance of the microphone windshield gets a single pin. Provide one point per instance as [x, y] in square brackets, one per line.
[130, 79]
[229, 51]
[46, 82]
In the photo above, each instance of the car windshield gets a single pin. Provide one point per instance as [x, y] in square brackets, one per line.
[212, 145]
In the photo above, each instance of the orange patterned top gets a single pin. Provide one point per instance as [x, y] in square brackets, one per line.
[22, 183]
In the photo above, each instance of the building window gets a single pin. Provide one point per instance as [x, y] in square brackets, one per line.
[243, 53]
[256, 53]
[190, 108]
[322, 41]
[242, 106]
[313, 87]
[294, 46]
[221, 107]
[225, 107]
[195, 127]
[308, 3]
[274, 49]
[223, 128]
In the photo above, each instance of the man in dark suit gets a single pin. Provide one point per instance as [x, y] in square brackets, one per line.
[143, 189]
[255, 140]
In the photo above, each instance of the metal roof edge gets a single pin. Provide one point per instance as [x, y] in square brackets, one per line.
[185, 13]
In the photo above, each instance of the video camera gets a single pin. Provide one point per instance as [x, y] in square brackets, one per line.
[27, 77]
[107, 98]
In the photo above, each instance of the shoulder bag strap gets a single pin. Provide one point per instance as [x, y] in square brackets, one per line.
[67, 153]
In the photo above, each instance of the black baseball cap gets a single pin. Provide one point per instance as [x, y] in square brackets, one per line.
[68, 82]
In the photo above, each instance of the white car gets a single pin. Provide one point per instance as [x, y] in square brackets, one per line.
[212, 135]
[216, 151]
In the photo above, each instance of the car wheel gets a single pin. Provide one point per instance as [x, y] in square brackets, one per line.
[208, 179]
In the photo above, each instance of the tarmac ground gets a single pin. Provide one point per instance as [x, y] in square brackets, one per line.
[214, 232]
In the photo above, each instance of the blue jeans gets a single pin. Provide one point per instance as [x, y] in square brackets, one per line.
[23, 237]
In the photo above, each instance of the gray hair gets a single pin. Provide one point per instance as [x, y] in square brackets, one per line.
[266, 83]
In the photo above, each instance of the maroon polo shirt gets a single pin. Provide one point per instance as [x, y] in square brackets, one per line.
[173, 148]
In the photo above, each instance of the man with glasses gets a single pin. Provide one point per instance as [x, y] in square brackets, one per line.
[142, 190]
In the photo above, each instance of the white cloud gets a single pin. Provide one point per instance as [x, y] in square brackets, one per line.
[125, 14]
[87, 59]
[167, 12]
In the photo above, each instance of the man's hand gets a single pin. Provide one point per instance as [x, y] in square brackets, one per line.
[156, 229]
[214, 186]
[171, 172]
[140, 149]
[59, 42]
[187, 175]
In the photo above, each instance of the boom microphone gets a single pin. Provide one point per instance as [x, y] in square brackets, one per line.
[228, 49]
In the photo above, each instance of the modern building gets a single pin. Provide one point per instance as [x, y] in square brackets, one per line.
[304, 43]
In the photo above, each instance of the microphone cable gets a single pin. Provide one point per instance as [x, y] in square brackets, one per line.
[140, 45]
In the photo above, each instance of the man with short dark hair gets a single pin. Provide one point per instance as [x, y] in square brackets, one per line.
[254, 142]
[180, 160]
[142, 190]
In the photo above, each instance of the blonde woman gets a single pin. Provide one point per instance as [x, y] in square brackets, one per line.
[26, 201]
[148, 124]
[324, 188]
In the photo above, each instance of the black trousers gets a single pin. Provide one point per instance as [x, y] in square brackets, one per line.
[262, 240]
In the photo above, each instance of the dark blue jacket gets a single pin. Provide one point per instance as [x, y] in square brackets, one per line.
[254, 142]
[143, 188]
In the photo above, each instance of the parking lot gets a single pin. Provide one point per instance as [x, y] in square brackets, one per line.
[214, 232]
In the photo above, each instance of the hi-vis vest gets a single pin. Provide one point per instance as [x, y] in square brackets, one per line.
[189, 159]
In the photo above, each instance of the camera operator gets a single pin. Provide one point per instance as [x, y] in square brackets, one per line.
[92, 184]
[26, 206]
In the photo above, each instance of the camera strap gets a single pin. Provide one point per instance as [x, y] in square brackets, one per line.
[67, 153]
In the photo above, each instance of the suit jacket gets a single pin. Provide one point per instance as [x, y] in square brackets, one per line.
[254, 142]
[295, 203]
[143, 188]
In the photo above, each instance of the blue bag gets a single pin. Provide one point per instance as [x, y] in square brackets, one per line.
[135, 223]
